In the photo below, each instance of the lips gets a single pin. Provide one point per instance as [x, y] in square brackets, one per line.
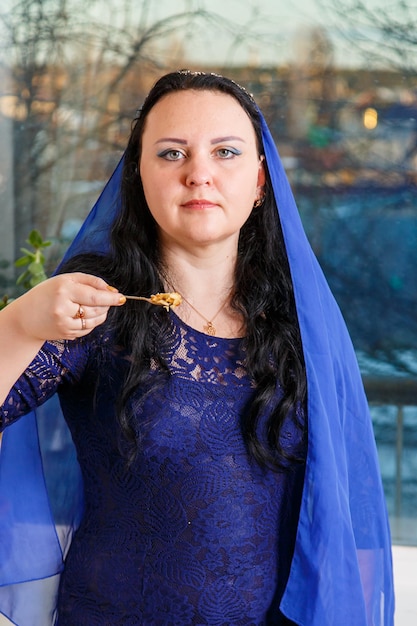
[199, 204]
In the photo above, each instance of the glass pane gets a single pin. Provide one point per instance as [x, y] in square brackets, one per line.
[344, 116]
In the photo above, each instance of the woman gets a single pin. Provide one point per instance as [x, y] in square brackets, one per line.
[205, 500]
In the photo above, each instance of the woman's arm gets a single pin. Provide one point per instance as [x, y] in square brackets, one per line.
[47, 312]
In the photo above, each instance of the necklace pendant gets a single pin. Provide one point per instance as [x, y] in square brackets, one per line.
[209, 329]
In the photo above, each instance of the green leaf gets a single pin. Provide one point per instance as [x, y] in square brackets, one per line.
[34, 260]
[35, 239]
[24, 260]
[28, 252]
[36, 268]
[35, 280]
[22, 278]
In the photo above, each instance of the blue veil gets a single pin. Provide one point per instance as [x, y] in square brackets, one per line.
[341, 572]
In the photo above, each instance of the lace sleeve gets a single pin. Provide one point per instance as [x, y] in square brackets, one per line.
[56, 362]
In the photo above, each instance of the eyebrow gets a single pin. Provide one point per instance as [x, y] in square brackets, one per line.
[227, 138]
[183, 142]
[171, 140]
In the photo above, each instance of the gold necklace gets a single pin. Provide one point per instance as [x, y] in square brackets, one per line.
[210, 329]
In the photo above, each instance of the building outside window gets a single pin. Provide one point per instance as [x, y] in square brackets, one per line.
[338, 84]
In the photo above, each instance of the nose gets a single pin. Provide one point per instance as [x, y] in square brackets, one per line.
[199, 172]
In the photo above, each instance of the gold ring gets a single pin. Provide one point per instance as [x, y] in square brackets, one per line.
[80, 313]
[82, 323]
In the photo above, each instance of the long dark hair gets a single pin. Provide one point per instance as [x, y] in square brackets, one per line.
[263, 290]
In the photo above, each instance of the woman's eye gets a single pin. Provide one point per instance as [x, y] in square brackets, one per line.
[171, 155]
[228, 153]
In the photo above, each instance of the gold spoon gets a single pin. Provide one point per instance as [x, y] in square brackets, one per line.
[167, 300]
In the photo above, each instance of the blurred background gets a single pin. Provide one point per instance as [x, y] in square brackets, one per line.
[337, 82]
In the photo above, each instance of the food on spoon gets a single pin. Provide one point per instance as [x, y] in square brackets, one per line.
[167, 300]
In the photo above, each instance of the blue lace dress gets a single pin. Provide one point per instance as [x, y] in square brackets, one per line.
[193, 532]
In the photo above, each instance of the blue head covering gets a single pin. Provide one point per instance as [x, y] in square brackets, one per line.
[341, 571]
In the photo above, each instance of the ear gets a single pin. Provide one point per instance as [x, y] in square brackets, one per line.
[261, 173]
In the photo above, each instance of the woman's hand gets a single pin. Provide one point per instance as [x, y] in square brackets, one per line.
[66, 306]
[63, 307]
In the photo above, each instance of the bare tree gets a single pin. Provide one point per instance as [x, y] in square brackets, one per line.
[383, 34]
[76, 73]
[364, 227]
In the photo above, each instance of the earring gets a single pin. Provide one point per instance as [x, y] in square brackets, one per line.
[258, 202]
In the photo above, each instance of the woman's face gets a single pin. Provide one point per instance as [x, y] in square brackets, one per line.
[200, 168]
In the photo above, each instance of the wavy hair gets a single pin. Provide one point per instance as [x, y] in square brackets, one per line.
[263, 292]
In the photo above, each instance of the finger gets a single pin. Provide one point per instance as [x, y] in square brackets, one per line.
[90, 290]
[88, 296]
[83, 326]
[87, 318]
[80, 314]
[53, 309]
[84, 311]
[93, 281]
[83, 323]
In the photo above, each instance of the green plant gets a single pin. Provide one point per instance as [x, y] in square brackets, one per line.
[34, 261]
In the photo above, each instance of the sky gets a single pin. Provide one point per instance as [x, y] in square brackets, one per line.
[258, 32]
[273, 24]
[277, 26]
